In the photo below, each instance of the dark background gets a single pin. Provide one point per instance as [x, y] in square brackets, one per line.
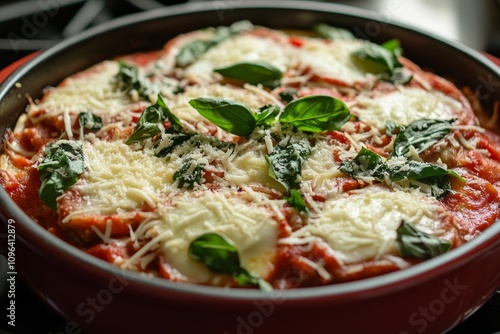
[474, 23]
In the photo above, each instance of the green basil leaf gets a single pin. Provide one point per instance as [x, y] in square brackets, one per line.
[63, 162]
[190, 52]
[189, 174]
[285, 163]
[374, 58]
[90, 121]
[370, 164]
[420, 134]
[149, 123]
[393, 46]
[365, 164]
[267, 115]
[220, 255]
[216, 252]
[128, 79]
[333, 33]
[230, 116]
[412, 242]
[316, 113]
[296, 201]
[383, 60]
[254, 73]
[173, 140]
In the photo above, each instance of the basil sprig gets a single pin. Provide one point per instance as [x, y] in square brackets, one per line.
[333, 33]
[149, 123]
[382, 59]
[89, 121]
[315, 114]
[220, 255]
[254, 73]
[129, 79]
[370, 164]
[420, 134]
[285, 166]
[190, 52]
[63, 162]
[412, 242]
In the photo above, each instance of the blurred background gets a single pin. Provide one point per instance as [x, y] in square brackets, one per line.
[31, 25]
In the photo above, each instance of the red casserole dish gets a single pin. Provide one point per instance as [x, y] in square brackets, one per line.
[430, 297]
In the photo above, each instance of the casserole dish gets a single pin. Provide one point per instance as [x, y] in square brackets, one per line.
[430, 297]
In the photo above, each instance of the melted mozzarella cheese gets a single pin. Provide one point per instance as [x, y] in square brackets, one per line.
[92, 90]
[239, 49]
[362, 226]
[320, 171]
[332, 59]
[404, 106]
[120, 180]
[245, 219]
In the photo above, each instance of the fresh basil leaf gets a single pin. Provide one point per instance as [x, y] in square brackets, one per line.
[392, 128]
[316, 113]
[416, 170]
[190, 52]
[288, 95]
[383, 60]
[365, 164]
[150, 121]
[412, 242]
[267, 115]
[63, 162]
[333, 33]
[420, 134]
[254, 73]
[189, 174]
[296, 201]
[393, 46]
[173, 140]
[375, 59]
[216, 252]
[370, 164]
[90, 121]
[220, 255]
[230, 116]
[128, 79]
[285, 163]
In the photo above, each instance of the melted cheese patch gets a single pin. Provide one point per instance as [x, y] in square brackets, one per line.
[363, 226]
[320, 170]
[245, 219]
[120, 180]
[404, 106]
[239, 49]
[91, 90]
[332, 60]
